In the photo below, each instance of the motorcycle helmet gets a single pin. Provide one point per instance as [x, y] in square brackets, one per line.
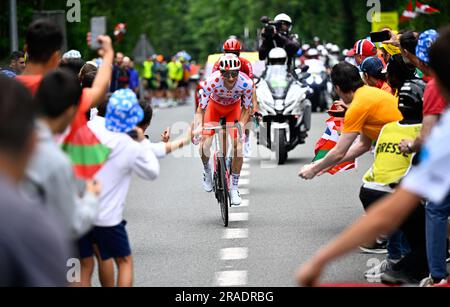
[410, 101]
[229, 62]
[284, 18]
[277, 56]
[335, 49]
[312, 53]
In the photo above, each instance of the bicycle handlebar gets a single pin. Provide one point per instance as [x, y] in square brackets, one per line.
[225, 127]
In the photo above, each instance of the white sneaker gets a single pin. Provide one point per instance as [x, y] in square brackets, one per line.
[236, 199]
[207, 182]
[429, 282]
[248, 149]
[374, 274]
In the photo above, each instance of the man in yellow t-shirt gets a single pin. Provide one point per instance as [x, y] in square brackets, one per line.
[370, 109]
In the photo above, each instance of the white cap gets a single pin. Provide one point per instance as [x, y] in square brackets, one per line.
[72, 54]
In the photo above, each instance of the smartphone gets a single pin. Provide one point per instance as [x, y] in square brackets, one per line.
[98, 27]
[377, 37]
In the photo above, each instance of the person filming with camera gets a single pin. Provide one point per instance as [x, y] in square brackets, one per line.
[277, 34]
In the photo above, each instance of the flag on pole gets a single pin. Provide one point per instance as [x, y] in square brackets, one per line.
[86, 152]
[409, 13]
[413, 10]
[328, 141]
[84, 149]
[425, 9]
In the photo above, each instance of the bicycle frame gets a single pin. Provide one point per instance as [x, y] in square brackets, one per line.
[221, 173]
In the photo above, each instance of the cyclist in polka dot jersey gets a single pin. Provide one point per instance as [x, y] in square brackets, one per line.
[215, 89]
[222, 95]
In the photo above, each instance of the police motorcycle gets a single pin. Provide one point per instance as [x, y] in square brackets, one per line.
[283, 106]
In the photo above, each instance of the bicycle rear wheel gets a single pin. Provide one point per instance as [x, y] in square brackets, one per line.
[222, 190]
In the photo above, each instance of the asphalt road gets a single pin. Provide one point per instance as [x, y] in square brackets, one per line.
[178, 240]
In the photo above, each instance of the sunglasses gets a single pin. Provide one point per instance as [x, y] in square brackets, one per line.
[232, 74]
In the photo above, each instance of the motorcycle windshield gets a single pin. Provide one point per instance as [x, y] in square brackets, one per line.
[278, 80]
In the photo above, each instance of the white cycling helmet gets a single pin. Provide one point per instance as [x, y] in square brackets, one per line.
[229, 62]
[283, 17]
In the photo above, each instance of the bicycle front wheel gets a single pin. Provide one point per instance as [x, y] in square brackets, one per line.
[224, 198]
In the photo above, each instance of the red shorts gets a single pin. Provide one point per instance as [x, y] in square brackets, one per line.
[215, 111]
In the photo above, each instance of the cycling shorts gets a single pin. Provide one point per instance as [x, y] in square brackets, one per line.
[215, 111]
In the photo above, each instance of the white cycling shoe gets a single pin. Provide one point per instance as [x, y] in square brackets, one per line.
[236, 199]
[207, 182]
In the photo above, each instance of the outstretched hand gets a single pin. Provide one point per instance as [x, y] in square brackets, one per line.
[307, 172]
[165, 136]
[308, 275]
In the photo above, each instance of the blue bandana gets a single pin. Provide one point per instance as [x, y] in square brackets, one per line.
[426, 40]
[124, 112]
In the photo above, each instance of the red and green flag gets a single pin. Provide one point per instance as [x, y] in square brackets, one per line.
[328, 141]
[86, 152]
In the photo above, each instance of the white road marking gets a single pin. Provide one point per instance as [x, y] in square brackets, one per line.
[231, 278]
[246, 166]
[244, 182]
[244, 191]
[235, 253]
[238, 217]
[245, 203]
[236, 233]
[245, 174]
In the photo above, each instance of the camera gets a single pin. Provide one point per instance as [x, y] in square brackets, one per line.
[270, 27]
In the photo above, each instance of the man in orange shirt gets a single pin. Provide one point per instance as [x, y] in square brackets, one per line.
[370, 109]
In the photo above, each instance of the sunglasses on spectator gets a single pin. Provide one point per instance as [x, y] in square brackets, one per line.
[232, 74]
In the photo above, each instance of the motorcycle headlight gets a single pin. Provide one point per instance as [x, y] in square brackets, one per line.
[319, 80]
[310, 80]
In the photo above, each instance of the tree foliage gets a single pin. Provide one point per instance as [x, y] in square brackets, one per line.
[200, 26]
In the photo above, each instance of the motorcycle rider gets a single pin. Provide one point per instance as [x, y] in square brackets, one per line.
[279, 36]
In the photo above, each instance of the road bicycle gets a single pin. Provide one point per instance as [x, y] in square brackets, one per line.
[222, 170]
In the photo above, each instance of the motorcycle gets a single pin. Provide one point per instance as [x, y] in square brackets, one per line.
[319, 83]
[285, 110]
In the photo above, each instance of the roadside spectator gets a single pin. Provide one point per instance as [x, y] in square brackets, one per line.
[362, 50]
[373, 75]
[434, 104]
[118, 61]
[49, 176]
[430, 179]
[398, 72]
[370, 109]
[133, 75]
[34, 247]
[16, 65]
[127, 157]
[72, 60]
